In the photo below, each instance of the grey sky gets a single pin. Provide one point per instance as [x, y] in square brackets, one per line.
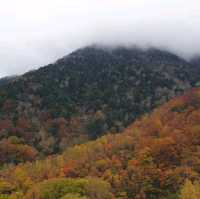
[36, 32]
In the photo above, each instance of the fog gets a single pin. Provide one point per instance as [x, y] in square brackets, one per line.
[37, 32]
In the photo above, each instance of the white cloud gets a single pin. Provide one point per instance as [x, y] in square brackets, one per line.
[37, 32]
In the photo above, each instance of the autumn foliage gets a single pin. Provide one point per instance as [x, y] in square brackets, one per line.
[152, 159]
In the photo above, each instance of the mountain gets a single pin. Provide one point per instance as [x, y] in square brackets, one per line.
[151, 159]
[7, 80]
[86, 94]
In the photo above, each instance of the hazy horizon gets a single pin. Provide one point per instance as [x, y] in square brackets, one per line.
[36, 33]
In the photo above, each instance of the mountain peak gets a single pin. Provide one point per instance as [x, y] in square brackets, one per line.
[99, 89]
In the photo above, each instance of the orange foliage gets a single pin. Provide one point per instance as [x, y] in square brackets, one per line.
[151, 159]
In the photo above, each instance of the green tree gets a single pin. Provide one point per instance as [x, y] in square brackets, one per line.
[98, 189]
[74, 196]
[57, 188]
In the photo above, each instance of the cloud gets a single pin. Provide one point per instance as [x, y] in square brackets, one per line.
[34, 32]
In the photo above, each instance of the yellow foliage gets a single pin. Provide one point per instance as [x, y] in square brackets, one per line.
[5, 187]
[23, 181]
[190, 190]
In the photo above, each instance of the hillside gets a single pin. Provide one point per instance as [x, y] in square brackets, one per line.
[7, 80]
[151, 159]
[84, 95]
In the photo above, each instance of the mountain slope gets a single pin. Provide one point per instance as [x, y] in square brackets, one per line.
[89, 92]
[151, 159]
[7, 80]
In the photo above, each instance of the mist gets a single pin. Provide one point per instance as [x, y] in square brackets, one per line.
[34, 33]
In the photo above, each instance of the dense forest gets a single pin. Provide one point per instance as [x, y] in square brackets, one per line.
[85, 95]
[101, 123]
[156, 157]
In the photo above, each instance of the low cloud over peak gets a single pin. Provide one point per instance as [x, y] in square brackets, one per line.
[34, 33]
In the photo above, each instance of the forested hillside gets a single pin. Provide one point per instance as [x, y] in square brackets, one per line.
[84, 95]
[151, 159]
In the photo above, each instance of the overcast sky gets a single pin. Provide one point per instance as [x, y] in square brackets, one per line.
[37, 32]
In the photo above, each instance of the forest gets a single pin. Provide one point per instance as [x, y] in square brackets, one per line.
[99, 99]
[85, 95]
[157, 156]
